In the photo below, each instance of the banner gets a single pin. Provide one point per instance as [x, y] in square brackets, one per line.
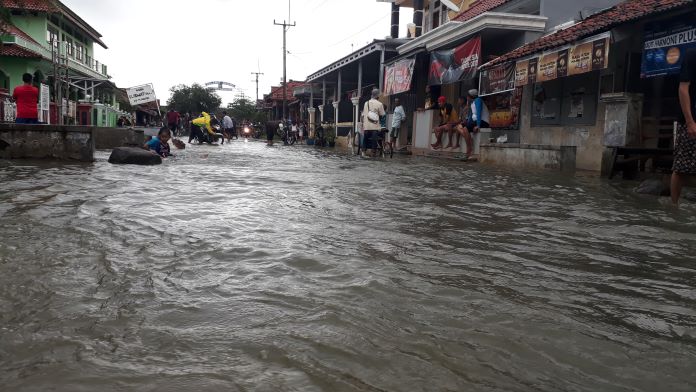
[665, 47]
[398, 76]
[454, 65]
[497, 79]
[590, 55]
[141, 94]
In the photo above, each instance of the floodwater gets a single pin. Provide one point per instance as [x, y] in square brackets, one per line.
[247, 268]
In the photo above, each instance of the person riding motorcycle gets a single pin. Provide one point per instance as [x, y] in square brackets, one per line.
[204, 122]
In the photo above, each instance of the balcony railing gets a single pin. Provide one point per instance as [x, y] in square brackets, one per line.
[87, 65]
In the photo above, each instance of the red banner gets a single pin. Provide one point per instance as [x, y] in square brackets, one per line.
[397, 76]
[454, 65]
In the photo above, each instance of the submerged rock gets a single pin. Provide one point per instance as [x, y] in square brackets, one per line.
[653, 186]
[134, 156]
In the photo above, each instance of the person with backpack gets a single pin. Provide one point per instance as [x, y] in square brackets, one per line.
[371, 115]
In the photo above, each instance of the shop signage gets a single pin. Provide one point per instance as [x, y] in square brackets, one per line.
[665, 47]
[141, 94]
[454, 65]
[497, 79]
[398, 76]
[586, 56]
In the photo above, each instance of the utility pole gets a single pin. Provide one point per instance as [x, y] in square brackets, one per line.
[286, 26]
[257, 84]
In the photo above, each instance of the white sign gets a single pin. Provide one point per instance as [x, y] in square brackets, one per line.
[141, 94]
[44, 104]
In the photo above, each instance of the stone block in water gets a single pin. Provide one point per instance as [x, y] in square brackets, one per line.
[134, 156]
[653, 186]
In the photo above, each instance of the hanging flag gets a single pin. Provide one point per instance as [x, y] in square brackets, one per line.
[454, 65]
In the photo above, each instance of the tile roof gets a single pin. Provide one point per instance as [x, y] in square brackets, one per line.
[478, 8]
[30, 5]
[277, 91]
[17, 51]
[627, 11]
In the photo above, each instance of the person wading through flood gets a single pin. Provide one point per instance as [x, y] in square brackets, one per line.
[371, 115]
[685, 144]
[27, 98]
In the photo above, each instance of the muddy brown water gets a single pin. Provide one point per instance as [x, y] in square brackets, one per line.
[246, 268]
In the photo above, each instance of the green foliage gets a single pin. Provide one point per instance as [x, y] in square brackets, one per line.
[244, 109]
[193, 99]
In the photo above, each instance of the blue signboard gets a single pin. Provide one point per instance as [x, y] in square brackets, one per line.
[665, 46]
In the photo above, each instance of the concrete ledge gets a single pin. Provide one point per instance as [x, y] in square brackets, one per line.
[530, 156]
[20, 141]
[110, 138]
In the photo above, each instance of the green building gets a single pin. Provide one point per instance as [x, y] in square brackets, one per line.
[45, 38]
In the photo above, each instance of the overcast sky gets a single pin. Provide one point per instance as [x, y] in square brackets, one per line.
[169, 42]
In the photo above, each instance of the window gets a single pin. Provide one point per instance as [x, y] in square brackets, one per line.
[70, 47]
[79, 52]
[52, 36]
[566, 101]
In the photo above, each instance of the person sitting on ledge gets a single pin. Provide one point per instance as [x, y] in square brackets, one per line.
[478, 118]
[448, 120]
[160, 144]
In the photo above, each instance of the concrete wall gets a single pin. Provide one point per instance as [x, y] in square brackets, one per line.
[34, 26]
[523, 156]
[587, 138]
[19, 141]
[109, 138]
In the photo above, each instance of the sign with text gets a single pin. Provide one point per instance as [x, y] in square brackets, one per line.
[665, 46]
[497, 79]
[141, 94]
[44, 103]
[398, 76]
[586, 56]
[454, 65]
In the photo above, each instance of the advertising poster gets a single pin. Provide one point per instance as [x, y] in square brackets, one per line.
[665, 46]
[497, 79]
[546, 69]
[587, 56]
[454, 65]
[44, 103]
[398, 76]
[505, 109]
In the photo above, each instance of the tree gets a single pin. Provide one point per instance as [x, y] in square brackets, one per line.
[193, 99]
[244, 109]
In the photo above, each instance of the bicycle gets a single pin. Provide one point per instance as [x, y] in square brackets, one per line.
[378, 139]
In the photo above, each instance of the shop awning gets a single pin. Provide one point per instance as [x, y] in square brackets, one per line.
[455, 31]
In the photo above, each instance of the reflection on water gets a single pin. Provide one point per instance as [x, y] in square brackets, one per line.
[246, 268]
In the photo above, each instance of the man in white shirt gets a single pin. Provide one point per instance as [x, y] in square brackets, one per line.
[228, 127]
[397, 120]
[371, 114]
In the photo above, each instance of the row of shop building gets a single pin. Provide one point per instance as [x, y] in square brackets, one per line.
[564, 81]
[48, 40]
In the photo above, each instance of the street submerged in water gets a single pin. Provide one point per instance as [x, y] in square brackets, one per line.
[247, 268]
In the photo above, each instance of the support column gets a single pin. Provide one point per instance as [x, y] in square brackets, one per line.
[356, 114]
[321, 113]
[323, 93]
[395, 20]
[339, 87]
[312, 119]
[335, 105]
[360, 77]
[381, 70]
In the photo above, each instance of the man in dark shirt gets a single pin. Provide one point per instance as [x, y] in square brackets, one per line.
[27, 98]
[173, 120]
[685, 143]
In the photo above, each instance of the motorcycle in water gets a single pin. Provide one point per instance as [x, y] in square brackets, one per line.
[247, 131]
[210, 129]
[286, 135]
